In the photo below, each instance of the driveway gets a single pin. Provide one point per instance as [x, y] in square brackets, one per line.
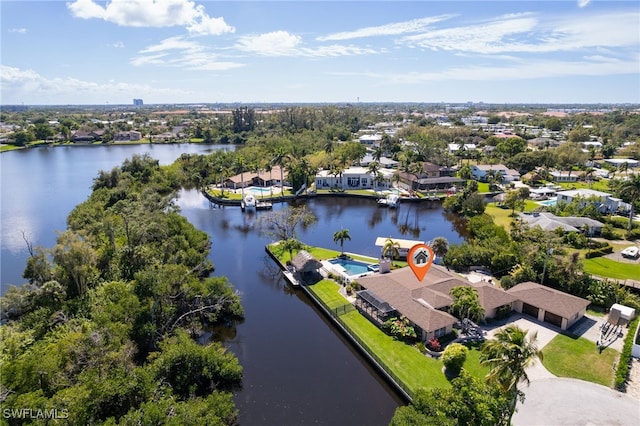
[562, 401]
[551, 400]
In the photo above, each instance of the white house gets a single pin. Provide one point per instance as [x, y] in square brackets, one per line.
[370, 139]
[353, 178]
[480, 171]
[605, 202]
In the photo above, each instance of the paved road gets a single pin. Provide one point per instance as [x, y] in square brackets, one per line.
[556, 401]
[568, 402]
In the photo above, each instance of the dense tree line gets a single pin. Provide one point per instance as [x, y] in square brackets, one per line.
[105, 327]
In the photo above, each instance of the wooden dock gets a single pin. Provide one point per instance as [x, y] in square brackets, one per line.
[289, 276]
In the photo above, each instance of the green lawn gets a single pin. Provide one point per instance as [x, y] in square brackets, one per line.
[604, 267]
[327, 290]
[414, 369]
[600, 185]
[579, 358]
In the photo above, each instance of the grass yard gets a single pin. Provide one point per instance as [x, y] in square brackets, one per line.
[579, 358]
[413, 368]
[599, 185]
[327, 290]
[604, 267]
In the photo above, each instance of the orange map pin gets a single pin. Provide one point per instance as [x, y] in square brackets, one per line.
[420, 258]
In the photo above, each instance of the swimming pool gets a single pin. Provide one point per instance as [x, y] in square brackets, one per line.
[256, 190]
[549, 202]
[354, 267]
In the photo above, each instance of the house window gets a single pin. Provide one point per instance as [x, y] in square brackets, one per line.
[353, 182]
[364, 182]
[440, 332]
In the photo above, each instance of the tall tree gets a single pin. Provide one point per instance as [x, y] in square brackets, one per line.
[508, 355]
[280, 159]
[391, 249]
[440, 246]
[341, 236]
[630, 190]
[466, 304]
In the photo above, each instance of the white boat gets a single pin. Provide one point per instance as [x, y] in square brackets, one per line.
[393, 200]
[249, 202]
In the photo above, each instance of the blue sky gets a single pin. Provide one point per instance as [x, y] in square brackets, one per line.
[194, 51]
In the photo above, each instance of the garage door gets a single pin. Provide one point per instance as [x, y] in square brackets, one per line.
[530, 310]
[553, 319]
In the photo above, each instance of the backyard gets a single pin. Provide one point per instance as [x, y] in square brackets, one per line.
[413, 368]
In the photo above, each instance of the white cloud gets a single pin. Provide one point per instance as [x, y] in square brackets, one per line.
[152, 13]
[276, 43]
[525, 33]
[583, 3]
[117, 45]
[396, 28]
[283, 43]
[18, 84]
[17, 30]
[180, 52]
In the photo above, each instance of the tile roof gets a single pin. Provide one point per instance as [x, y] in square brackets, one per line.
[421, 301]
[549, 299]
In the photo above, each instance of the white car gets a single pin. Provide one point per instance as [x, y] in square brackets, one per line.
[631, 252]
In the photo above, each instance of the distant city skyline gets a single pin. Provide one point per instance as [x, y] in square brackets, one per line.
[85, 52]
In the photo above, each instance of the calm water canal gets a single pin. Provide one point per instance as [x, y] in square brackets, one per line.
[297, 369]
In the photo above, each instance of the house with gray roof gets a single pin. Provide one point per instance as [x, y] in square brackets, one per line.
[550, 222]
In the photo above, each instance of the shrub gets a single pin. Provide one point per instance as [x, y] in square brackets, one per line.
[434, 344]
[454, 357]
[625, 357]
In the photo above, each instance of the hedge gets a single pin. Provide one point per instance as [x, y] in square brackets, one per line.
[625, 357]
[598, 252]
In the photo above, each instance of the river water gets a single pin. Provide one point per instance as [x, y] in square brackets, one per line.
[297, 369]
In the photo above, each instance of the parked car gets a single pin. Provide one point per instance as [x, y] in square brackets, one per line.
[631, 252]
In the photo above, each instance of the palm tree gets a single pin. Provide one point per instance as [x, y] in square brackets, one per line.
[341, 236]
[440, 246]
[374, 168]
[279, 159]
[508, 355]
[630, 189]
[290, 245]
[466, 304]
[391, 248]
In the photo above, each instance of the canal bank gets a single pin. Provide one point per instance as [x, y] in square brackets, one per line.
[334, 317]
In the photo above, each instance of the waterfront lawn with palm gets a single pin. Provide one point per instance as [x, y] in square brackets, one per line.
[413, 368]
[579, 358]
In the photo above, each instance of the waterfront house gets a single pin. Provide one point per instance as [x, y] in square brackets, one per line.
[262, 178]
[430, 177]
[424, 303]
[403, 245]
[353, 178]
